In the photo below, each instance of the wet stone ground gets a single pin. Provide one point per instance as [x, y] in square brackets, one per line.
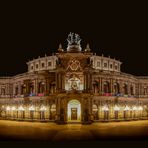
[18, 130]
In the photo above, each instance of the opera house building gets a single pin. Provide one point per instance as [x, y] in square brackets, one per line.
[74, 85]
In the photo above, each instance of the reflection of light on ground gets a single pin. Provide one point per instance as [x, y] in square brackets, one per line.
[51, 131]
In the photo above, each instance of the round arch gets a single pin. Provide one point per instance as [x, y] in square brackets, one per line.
[74, 110]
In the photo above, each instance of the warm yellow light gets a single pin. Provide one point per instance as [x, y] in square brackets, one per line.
[43, 108]
[74, 104]
[13, 108]
[134, 108]
[53, 109]
[32, 108]
[126, 108]
[105, 108]
[116, 108]
[95, 109]
[8, 108]
[140, 108]
[21, 108]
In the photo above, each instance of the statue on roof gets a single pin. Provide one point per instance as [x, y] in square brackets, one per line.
[73, 39]
[73, 43]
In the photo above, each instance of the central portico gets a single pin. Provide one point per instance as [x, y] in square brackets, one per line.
[74, 110]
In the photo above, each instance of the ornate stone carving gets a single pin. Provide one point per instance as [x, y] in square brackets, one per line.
[73, 42]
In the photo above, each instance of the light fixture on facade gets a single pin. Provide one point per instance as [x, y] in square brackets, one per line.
[116, 108]
[134, 108]
[21, 108]
[140, 108]
[31, 108]
[95, 108]
[43, 108]
[8, 108]
[13, 108]
[43, 83]
[53, 109]
[105, 108]
[126, 108]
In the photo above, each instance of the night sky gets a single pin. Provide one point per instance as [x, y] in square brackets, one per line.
[29, 30]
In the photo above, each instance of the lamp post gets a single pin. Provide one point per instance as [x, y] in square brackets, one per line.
[32, 109]
[106, 111]
[22, 110]
[140, 109]
[42, 112]
[126, 109]
[116, 109]
[2, 109]
[134, 109]
[8, 111]
[13, 110]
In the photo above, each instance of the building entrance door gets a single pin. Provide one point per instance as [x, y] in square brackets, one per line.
[73, 113]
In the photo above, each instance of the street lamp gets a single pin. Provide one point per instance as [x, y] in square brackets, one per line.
[31, 109]
[8, 110]
[42, 112]
[116, 109]
[13, 108]
[126, 109]
[106, 111]
[21, 108]
[134, 109]
[140, 109]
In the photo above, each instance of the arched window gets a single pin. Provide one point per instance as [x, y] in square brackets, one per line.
[96, 86]
[23, 89]
[3, 91]
[106, 87]
[125, 89]
[116, 88]
[145, 90]
[41, 87]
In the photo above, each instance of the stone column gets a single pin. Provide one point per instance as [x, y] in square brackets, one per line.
[128, 88]
[100, 85]
[90, 82]
[63, 82]
[111, 86]
[121, 87]
[57, 86]
[47, 86]
[19, 88]
[84, 82]
[13, 88]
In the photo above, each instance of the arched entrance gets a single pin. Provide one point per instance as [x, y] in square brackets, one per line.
[74, 110]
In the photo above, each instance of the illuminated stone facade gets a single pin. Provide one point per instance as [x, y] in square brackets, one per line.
[74, 85]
